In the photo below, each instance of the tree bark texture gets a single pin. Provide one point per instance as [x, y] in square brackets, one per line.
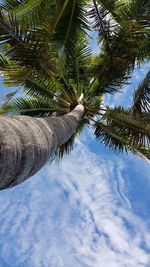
[27, 143]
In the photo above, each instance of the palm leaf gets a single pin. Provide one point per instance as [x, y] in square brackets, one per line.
[100, 22]
[6, 98]
[26, 44]
[32, 107]
[124, 43]
[120, 131]
[75, 15]
[77, 68]
[138, 130]
[110, 73]
[114, 139]
[141, 102]
[11, 4]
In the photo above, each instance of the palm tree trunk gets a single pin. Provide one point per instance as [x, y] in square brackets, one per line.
[26, 143]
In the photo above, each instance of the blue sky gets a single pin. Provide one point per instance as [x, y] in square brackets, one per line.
[91, 210]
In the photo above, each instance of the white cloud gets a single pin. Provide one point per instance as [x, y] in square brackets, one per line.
[76, 214]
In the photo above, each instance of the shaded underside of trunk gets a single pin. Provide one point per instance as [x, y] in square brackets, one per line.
[26, 143]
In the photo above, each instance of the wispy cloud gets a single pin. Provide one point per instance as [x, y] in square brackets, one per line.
[75, 214]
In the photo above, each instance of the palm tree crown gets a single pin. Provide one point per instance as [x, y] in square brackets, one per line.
[45, 50]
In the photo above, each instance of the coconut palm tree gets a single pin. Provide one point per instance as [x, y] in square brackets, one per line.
[27, 143]
[64, 86]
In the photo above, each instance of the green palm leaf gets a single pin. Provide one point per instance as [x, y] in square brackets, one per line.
[32, 107]
[141, 101]
[114, 139]
[75, 15]
[120, 131]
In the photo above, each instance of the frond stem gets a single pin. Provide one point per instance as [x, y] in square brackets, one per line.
[101, 24]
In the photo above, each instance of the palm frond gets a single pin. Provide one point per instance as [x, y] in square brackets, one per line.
[3, 62]
[13, 75]
[26, 6]
[26, 44]
[141, 101]
[75, 15]
[114, 139]
[124, 43]
[50, 90]
[32, 107]
[138, 130]
[101, 23]
[144, 153]
[6, 98]
[120, 131]
[77, 69]
[110, 138]
[36, 46]
[111, 73]
[11, 4]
